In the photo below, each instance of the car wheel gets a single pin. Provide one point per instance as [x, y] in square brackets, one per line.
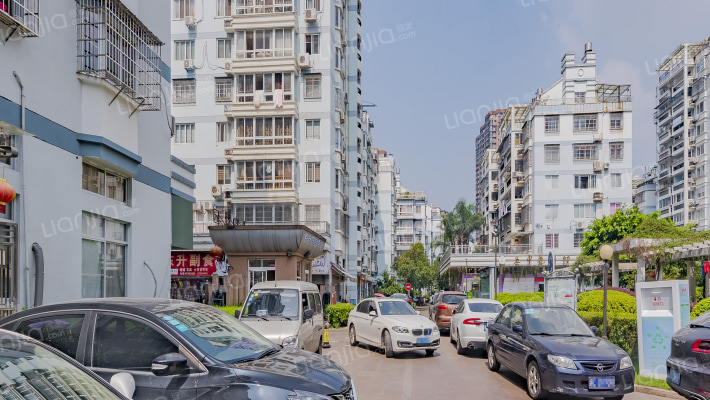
[535, 390]
[353, 337]
[451, 337]
[320, 346]
[387, 343]
[460, 350]
[430, 352]
[492, 363]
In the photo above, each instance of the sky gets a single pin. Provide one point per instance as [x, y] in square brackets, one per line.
[435, 68]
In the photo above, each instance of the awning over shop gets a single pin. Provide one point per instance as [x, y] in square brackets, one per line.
[342, 272]
[298, 239]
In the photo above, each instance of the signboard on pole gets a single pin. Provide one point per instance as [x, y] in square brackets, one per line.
[561, 290]
[407, 287]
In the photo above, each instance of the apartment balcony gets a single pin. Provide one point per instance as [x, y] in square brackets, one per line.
[262, 152]
[262, 16]
[664, 154]
[248, 109]
[567, 106]
[21, 15]
[598, 196]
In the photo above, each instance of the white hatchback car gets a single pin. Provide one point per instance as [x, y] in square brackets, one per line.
[392, 325]
[469, 323]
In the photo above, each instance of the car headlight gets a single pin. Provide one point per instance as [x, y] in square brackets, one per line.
[561, 361]
[400, 329]
[625, 363]
[291, 341]
[435, 329]
[300, 395]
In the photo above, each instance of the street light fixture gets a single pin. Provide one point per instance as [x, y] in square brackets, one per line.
[605, 253]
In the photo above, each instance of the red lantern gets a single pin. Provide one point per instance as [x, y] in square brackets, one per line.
[653, 274]
[216, 252]
[7, 194]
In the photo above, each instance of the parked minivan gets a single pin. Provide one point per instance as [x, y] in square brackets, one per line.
[288, 313]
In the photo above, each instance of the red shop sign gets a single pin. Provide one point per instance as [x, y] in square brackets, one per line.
[191, 263]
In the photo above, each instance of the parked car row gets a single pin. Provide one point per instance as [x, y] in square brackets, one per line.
[688, 366]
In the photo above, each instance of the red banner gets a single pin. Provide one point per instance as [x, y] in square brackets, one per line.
[192, 263]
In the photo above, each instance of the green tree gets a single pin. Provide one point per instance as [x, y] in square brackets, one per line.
[612, 228]
[459, 224]
[388, 285]
[413, 266]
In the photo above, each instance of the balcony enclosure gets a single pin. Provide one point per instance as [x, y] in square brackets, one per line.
[21, 15]
[264, 85]
[264, 131]
[245, 7]
[264, 43]
[261, 175]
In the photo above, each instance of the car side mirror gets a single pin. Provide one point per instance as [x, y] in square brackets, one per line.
[373, 313]
[518, 328]
[124, 383]
[169, 364]
[237, 314]
[308, 314]
[594, 330]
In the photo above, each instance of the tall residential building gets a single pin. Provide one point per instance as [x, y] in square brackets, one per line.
[98, 193]
[385, 215]
[417, 222]
[489, 195]
[486, 139]
[644, 196]
[564, 159]
[267, 107]
[681, 127]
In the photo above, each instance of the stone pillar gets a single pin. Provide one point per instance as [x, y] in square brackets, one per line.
[641, 270]
[615, 270]
[659, 270]
[690, 264]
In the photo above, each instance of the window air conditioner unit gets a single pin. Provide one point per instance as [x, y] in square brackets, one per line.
[189, 64]
[311, 15]
[304, 60]
[190, 21]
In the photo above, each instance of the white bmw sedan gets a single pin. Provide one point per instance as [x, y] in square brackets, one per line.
[392, 325]
[469, 323]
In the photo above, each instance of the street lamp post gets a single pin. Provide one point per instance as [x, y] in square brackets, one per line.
[605, 253]
[494, 276]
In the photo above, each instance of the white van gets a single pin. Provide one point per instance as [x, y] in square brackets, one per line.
[289, 313]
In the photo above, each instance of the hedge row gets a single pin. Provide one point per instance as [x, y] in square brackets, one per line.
[700, 308]
[621, 327]
[617, 302]
[229, 309]
[506, 298]
[337, 314]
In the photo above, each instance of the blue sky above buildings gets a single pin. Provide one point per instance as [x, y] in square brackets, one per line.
[434, 68]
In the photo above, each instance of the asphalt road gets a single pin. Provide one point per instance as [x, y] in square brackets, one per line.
[446, 375]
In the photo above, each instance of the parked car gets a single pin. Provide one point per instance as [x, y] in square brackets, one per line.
[402, 296]
[288, 313]
[556, 351]
[432, 307]
[393, 325]
[179, 349]
[31, 369]
[469, 323]
[688, 367]
[443, 309]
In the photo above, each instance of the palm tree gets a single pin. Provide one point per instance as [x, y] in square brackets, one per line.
[459, 224]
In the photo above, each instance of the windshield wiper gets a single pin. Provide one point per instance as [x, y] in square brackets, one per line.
[543, 334]
[579, 334]
[257, 316]
[267, 352]
[282, 316]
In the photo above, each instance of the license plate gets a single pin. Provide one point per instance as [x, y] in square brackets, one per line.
[601, 382]
[422, 340]
[674, 375]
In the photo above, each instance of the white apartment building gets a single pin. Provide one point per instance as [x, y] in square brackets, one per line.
[564, 159]
[385, 216]
[489, 195]
[645, 191]
[681, 127]
[417, 222]
[98, 193]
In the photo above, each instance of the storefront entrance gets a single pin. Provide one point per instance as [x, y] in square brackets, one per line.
[261, 271]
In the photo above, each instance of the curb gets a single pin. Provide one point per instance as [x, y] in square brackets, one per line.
[658, 392]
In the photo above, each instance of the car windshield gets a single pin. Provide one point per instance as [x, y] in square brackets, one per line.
[399, 296]
[30, 371]
[272, 303]
[217, 333]
[555, 321]
[484, 307]
[395, 308]
[453, 298]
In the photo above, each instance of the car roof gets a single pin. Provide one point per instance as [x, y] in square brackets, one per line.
[482, 301]
[300, 285]
[538, 304]
[452, 292]
[388, 299]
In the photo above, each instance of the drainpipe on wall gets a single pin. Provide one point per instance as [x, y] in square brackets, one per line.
[23, 190]
[22, 99]
[39, 273]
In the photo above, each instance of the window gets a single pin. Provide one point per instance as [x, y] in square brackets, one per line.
[224, 8]
[264, 43]
[261, 271]
[585, 210]
[552, 182]
[312, 172]
[338, 18]
[585, 181]
[584, 152]
[551, 211]
[259, 175]
[313, 129]
[312, 85]
[616, 151]
[184, 133]
[616, 119]
[59, 331]
[314, 4]
[114, 334]
[580, 97]
[184, 91]
[183, 8]
[184, 50]
[578, 239]
[552, 240]
[552, 124]
[614, 207]
[313, 213]
[585, 123]
[248, 85]
[552, 153]
[264, 131]
[224, 174]
[224, 48]
[313, 43]
[223, 90]
[298, 270]
[616, 180]
[103, 257]
[266, 213]
[102, 182]
[338, 58]
[224, 132]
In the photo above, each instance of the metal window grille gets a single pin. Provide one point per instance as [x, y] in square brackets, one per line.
[114, 45]
[22, 15]
[585, 152]
[223, 90]
[312, 86]
[585, 123]
[184, 91]
[259, 7]
[616, 150]
[552, 124]
[552, 153]
[616, 119]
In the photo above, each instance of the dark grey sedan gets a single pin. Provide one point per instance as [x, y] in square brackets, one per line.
[556, 351]
[688, 367]
[181, 350]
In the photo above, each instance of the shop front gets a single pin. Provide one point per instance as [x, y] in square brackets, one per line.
[191, 275]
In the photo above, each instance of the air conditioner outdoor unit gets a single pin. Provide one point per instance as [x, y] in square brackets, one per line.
[189, 64]
[217, 190]
[606, 165]
[580, 225]
[196, 206]
[311, 15]
[228, 66]
[598, 165]
[304, 60]
[227, 23]
[342, 157]
[190, 21]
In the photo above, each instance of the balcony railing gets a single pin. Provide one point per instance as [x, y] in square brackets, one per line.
[503, 249]
[247, 7]
[22, 14]
[321, 227]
